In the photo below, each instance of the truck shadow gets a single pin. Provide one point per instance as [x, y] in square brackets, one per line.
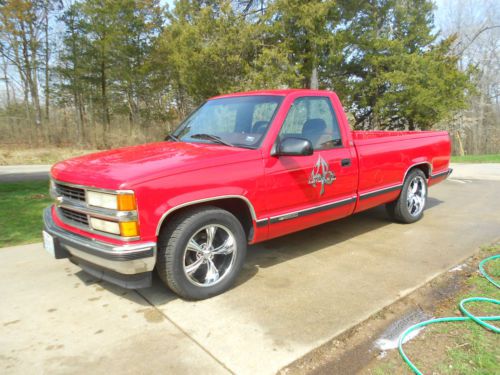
[272, 252]
[282, 249]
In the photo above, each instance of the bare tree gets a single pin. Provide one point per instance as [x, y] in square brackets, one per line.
[21, 27]
[46, 10]
[5, 78]
[477, 28]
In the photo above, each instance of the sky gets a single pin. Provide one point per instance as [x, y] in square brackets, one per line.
[168, 2]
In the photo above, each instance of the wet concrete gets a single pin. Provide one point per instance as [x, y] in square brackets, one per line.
[295, 293]
[390, 337]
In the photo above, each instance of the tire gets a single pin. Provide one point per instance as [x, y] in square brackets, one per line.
[410, 205]
[200, 271]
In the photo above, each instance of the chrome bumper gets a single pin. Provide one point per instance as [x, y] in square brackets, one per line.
[103, 260]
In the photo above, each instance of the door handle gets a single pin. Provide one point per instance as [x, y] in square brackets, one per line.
[345, 162]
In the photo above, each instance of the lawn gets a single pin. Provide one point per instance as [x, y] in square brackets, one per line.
[21, 206]
[48, 155]
[491, 158]
[460, 347]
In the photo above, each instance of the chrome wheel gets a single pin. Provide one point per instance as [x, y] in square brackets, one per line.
[415, 199]
[209, 255]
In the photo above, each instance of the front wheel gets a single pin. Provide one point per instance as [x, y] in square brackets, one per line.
[200, 252]
[410, 205]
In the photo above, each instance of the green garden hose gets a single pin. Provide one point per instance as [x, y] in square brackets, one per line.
[485, 274]
[481, 320]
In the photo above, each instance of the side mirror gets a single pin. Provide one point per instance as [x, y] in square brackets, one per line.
[294, 146]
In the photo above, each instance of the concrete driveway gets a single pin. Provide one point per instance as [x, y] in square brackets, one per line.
[13, 173]
[486, 171]
[294, 294]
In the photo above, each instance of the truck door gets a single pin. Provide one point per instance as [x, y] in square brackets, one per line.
[303, 191]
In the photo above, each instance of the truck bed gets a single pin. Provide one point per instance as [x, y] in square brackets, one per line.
[361, 137]
[386, 156]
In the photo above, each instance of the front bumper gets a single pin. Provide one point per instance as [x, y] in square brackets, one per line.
[127, 265]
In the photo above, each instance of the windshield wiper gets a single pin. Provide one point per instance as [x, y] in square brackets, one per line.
[211, 137]
[172, 137]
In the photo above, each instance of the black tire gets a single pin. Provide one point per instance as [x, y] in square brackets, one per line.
[172, 247]
[399, 210]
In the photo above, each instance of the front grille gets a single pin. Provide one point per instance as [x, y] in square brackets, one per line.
[71, 192]
[75, 217]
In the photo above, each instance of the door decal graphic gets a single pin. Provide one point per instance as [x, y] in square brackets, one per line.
[321, 174]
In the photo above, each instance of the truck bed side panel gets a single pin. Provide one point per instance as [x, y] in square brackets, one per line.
[386, 157]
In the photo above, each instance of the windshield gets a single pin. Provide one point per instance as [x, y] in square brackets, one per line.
[238, 121]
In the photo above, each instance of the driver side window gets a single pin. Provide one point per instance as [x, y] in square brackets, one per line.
[312, 118]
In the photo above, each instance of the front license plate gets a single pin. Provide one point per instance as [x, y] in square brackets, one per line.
[48, 243]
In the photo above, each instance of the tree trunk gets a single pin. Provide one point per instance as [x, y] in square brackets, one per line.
[6, 80]
[34, 66]
[411, 124]
[460, 145]
[47, 92]
[26, 92]
[21, 71]
[314, 79]
[81, 112]
[79, 116]
[105, 108]
[132, 107]
[30, 73]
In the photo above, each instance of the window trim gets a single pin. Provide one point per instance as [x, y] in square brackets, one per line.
[332, 109]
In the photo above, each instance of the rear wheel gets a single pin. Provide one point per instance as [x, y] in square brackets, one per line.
[200, 252]
[410, 205]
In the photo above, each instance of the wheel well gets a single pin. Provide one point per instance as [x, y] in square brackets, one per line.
[238, 207]
[424, 167]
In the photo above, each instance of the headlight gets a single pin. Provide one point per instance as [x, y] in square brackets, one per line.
[105, 226]
[121, 202]
[102, 200]
[124, 229]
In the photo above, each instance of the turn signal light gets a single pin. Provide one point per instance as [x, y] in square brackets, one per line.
[129, 229]
[126, 202]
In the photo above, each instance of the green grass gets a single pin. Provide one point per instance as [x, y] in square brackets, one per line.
[491, 158]
[21, 206]
[471, 348]
[473, 351]
[456, 348]
[384, 369]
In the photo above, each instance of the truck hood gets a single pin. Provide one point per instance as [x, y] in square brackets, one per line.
[125, 167]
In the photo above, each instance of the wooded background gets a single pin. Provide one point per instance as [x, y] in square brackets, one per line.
[103, 73]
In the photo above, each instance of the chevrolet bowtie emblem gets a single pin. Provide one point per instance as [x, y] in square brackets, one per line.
[321, 174]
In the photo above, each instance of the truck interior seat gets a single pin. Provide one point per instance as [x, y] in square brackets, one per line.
[313, 129]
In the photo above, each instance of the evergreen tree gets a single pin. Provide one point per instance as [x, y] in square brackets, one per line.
[131, 57]
[105, 56]
[205, 50]
[393, 73]
[296, 37]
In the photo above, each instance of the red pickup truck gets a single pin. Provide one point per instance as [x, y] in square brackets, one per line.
[241, 169]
